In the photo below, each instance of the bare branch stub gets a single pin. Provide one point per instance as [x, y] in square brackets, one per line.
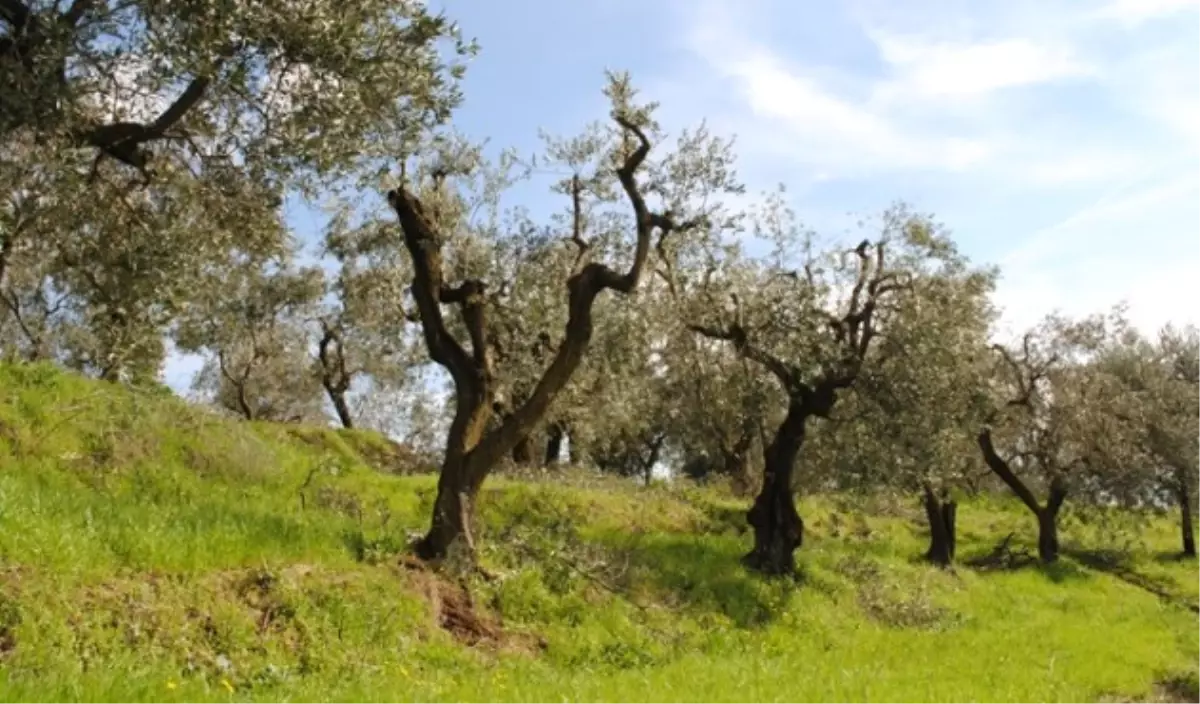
[583, 247]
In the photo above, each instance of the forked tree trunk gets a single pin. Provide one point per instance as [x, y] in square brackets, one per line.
[654, 446]
[1183, 495]
[1047, 516]
[472, 449]
[941, 514]
[335, 377]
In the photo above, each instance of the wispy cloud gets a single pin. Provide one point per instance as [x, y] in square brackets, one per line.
[930, 69]
[829, 130]
[1135, 12]
[1069, 131]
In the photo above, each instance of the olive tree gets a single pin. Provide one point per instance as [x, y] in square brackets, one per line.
[251, 321]
[1046, 419]
[813, 329]
[144, 142]
[610, 161]
[1151, 456]
[911, 421]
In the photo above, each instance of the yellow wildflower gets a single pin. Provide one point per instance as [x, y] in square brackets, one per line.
[226, 684]
[170, 684]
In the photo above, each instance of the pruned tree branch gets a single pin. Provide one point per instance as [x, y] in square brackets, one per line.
[123, 141]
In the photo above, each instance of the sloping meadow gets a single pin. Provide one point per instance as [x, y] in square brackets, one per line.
[150, 550]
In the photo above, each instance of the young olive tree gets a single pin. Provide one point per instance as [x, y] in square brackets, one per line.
[363, 330]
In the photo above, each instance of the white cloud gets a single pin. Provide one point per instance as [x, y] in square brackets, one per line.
[815, 125]
[1082, 167]
[1123, 247]
[1007, 114]
[945, 69]
[1135, 12]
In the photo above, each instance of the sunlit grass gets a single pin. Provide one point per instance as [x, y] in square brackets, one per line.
[149, 551]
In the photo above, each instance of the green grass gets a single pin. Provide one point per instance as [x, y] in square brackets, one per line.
[151, 551]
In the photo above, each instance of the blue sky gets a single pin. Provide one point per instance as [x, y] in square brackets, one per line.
[1057, 139]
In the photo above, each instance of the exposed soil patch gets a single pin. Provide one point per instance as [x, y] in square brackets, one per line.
[1172, 688]
[454, 610]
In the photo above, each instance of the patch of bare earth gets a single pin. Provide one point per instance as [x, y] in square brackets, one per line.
[1173, 688]
[455, 611]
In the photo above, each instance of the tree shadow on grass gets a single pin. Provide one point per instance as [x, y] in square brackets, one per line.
[701, 573]
[1171, 557]
[1118, 565]
[1007, 557]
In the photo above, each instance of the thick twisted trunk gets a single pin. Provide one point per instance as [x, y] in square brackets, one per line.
[941, 514]
[453, 515]
[1048, 521]
[778, 528]
[1047, 536]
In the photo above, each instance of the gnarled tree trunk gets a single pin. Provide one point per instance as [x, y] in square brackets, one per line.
[778, 528]
[941, 513]
[453, 516]
[472, 448]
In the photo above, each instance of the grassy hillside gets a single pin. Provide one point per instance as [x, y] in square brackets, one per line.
[150, 551]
